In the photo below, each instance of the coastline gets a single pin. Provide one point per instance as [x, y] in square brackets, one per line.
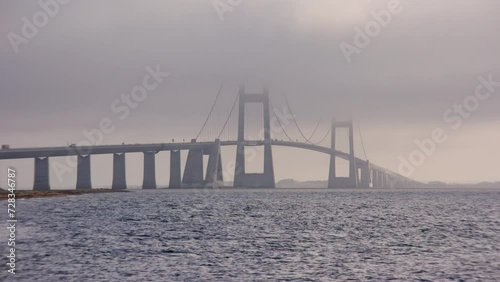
[28, 194]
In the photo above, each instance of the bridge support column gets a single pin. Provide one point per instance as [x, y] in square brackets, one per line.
[42, 180]
[175, 170]
[375, 179]
[383, 179]
[390, 181]
[220, 172]
[254, 180]
[343, 182]
[119, 174]
[149, 181]
[213, 178]
[193, 172]
[365, 175]
[83, 177]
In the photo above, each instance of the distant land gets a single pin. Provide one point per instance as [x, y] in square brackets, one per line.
[22, 194]
[290, 183]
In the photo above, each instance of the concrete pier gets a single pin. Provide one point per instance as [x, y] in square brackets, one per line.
[193, 172]
[390, 181]
[149, 181]
[254, 180]
[175, 170]
[213, 178]
[83, 177]
[375, 179]
[220, 171]
[365, 179]
[119, 174]
[42, 179]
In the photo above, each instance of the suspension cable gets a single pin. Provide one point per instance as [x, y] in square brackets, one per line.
[211, 110]
[362, 143]
[307, 140]
[324, 137]
[279, 122]
[228, 118]
[315, 129]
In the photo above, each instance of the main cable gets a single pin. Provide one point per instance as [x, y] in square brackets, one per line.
[323, 139]
[362, 143]
[211, 110]
[228, 118]
[279, 122]
[307, 140]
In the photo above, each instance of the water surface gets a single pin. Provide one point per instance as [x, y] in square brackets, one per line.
[228, 235]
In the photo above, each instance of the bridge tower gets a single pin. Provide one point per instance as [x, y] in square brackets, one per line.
[350, 181]
[254, 180]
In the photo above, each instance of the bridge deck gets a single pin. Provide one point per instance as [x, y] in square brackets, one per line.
[23, 153]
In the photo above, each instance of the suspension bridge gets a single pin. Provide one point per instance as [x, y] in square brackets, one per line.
[216, 132]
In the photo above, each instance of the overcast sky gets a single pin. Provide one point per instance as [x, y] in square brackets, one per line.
[65, 78]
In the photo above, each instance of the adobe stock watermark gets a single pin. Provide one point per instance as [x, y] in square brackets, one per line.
[454, 117]
[280, 120]
[48, 10]
[224, 6]
[121, 108]
[363, 37]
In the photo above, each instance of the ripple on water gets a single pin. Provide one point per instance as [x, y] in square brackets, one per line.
[310, 235]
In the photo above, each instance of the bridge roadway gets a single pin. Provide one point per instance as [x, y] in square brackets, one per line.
[42, 152]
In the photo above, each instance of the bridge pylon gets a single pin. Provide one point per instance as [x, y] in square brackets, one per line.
[350, 181]
[254, 180]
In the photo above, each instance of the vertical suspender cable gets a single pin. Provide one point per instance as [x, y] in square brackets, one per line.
[211, 110]
[228, 118]
[362, 143]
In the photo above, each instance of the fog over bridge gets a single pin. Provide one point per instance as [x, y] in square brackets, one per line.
[362, 172]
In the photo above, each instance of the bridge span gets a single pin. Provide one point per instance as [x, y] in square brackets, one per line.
[362, 173]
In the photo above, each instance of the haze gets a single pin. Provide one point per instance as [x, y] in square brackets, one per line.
[429, 58]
